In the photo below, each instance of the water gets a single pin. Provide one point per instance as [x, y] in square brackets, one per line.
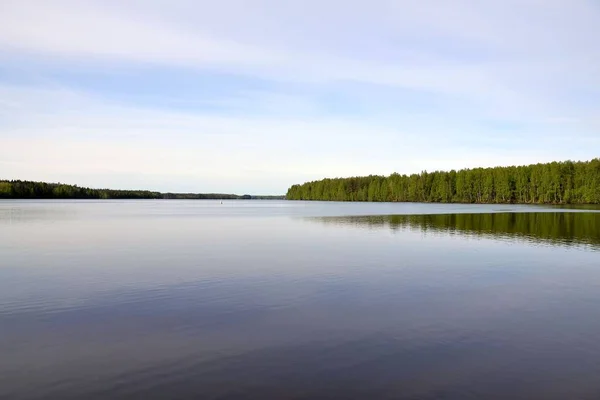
[294, 300]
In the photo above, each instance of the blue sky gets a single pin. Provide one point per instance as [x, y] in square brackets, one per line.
[253, 96]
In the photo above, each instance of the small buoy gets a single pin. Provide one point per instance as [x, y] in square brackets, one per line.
[221, 202]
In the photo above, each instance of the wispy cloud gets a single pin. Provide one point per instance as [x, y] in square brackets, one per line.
[296, 90]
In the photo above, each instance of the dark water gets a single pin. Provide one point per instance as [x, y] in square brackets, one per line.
[292, 300]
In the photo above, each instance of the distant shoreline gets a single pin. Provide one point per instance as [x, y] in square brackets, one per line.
[23, 190]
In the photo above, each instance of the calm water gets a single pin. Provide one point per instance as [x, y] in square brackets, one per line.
[293, 300]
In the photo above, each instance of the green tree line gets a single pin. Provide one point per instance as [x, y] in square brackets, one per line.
[554, 228]
[17, 189]
[222, 196]
[565, 182]
[200, 196]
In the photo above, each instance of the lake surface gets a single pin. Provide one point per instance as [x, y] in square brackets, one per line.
[297, 300]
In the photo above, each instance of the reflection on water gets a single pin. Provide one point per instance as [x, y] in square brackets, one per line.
[120, 300]
[551, 228]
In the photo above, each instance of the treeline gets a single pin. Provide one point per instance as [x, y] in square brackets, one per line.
[200, 196]
[221, 196]
[17, 189]
[548, 227]
[42, 190]
[552, 183]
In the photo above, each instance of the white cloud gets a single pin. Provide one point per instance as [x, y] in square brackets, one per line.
[434, 45]
[86, 30]
[523, 61]
[56, 133]
[53, 133]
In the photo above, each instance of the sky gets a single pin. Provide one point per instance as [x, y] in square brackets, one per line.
[252, 96]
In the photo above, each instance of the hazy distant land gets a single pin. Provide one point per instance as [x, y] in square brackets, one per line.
[17, 189]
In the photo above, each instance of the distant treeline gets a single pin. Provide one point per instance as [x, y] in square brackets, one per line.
[17, 189]
[199, 196]
[564, 228]
[205, 196]
[552, 183]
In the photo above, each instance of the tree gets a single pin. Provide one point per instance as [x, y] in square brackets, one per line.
[552, 183]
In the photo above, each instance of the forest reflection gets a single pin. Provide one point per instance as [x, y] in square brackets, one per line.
[554, 228]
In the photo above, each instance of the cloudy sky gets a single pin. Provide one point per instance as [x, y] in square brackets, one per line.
[255, 95]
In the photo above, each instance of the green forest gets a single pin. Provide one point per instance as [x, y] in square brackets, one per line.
[17, 189]
[42, 190]
[565, 182]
